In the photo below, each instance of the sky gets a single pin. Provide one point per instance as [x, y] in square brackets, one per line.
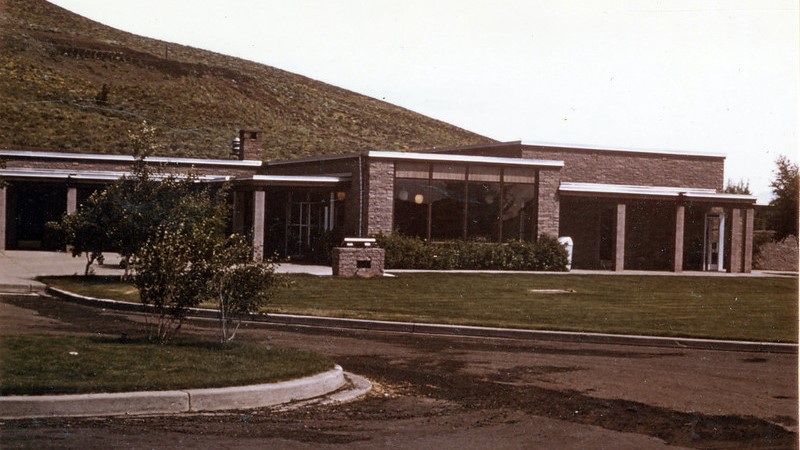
[696, 75]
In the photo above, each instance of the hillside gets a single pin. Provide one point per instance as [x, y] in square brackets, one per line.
[70, 84]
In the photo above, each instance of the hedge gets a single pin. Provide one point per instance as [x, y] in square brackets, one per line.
[404, 252]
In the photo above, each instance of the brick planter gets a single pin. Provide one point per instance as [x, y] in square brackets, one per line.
[358, 262]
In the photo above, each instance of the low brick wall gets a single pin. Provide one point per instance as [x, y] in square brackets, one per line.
[358, 262]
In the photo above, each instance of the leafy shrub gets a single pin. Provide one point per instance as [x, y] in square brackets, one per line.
[405, 252]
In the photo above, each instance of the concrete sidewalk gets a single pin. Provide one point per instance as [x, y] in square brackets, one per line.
[19, 268]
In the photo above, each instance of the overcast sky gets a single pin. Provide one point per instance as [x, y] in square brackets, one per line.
[711, 76]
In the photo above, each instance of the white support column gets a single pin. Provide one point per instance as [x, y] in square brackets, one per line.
[619, 254]
[259, 210]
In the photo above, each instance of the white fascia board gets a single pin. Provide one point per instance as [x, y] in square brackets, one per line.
[293, 179]
[90, 175]
[444, 157]
[624, 150]
[658, 191]
[129, 159]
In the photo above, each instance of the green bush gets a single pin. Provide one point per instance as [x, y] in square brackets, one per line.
[404, 252]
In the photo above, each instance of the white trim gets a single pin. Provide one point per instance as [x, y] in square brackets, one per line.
[443, 157]
[623, 150]
[293, 179]
[91, 175]
[129, 159]
[660, 191]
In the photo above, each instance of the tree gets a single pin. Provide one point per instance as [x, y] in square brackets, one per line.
[783, 217]
[124, 215]
[189, 259]
[242, 286]
[741, 187]
[87, 231]
[174, 265]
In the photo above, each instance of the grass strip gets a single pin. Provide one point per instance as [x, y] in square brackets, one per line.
[38, 365]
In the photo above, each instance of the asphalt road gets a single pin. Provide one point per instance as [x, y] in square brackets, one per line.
[454, 392]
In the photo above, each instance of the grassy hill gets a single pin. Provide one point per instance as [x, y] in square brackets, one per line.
[70, 84]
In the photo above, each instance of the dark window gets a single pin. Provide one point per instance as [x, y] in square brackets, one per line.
[411, 207]
[483, 214]
[446, 201]
[518, 212]
[447, 209]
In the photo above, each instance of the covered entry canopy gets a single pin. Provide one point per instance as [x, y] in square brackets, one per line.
[634, 227]
[288, 214]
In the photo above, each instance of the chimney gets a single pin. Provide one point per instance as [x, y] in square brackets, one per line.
[250, 144]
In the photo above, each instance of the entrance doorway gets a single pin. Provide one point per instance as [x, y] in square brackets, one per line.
[714, 243]
[303, 226]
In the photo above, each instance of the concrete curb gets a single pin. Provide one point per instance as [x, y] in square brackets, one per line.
[172, 402]
[463, 330]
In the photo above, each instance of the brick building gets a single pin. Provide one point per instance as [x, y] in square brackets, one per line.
[623, 209]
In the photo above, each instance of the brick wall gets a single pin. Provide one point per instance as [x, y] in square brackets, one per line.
[609, 167]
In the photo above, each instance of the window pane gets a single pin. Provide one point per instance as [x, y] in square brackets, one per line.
[411, 207]
[519, 207]
[483, 214]
[447, 211]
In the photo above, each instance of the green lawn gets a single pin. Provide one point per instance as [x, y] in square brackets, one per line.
[712, 307]
[77, 364]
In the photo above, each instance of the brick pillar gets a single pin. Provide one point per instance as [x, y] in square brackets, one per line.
[548, 203]
[3, 215]
[72, 200]
[380, 198]
[680, 213]
[736, 241]
[748, 240]
[259, 210]
[619, 254]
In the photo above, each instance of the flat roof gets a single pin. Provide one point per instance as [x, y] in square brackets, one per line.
[620, 150]
[651, 191]
[129, 158]
[444, 157]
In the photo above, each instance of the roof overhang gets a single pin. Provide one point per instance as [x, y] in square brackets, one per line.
[292, 180]
[89, 176]
[650, 192]
[26, 154]
[464, 159]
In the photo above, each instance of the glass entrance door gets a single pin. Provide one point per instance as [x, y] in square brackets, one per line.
[714, 243]
[303, 225]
